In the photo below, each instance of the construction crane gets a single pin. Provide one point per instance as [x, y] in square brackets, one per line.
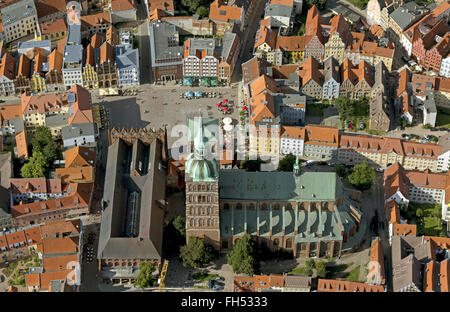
[162, 277]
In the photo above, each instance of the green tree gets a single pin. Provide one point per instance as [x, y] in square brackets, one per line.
[195, 253]
[340, 170]
[419, 213]
[287, 163]
[35, 167]
[321, 268]
[179, 225]
[42, 138]
[344, 107]
[309, 266]
[320, 4]
[251, 164]
[242, 257]
[145, 277]
[202, 11]
[191, 5]
[362, 176]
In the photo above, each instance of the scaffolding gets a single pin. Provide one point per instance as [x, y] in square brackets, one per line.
[163, 276]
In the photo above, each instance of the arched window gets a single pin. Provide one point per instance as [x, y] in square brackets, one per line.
[209, 210]
[209, 222]
[212, 222]
[191, 210]
[191, 222]
[276, 242]
[289, 243]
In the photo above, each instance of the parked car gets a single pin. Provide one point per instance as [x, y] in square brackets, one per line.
[379, 170]
[217, 288]
[210, 284]
[220, 278]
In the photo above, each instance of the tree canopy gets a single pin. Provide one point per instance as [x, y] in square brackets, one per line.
[44, 153]
[287, 163]
[251, 164]
[145, 277]
[321, 268]
[179, 225]
[195, 253]
[309, 266]
[242, 257]
[193, 5]
[362, 176]
[320, 4]
[202, 11]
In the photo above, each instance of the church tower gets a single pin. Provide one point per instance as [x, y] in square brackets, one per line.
[202, 190]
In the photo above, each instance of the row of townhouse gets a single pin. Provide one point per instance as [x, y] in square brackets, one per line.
[297, 283]
[422, 187]
[321, 41]
[76, 181]
[420, 31]
[279, 15]
[208, 60]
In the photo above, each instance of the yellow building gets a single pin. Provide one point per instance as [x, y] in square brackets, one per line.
[293, 48]
[37, 84]
[53, 30]
[90, 77]
[335, 47]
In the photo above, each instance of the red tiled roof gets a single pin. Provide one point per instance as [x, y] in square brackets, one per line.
[226, 13]
[327, 285]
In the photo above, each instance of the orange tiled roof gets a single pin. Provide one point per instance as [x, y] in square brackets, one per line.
[112, 36]
[42, 103]
[47, 277]
[61, 44]
[21, 143]
[33, 235]
[226, 13]
[55, 60]
[82, 112]
[283, 71]
[75, 174]
[291, 43]
[363, 72]
[106, 53]
[90, 56]
[96, 40]
[327, 285]
[276, 280]
[262, 83]
[8, 66]
[47, 7]
[404, 229]
[427, 179]
[444, 277]
[24, 66]
[95, 20]
[293, 132]
[339, 24]
[122, 5]
[394, 181]
[253, 68]
[376, 31]
[322, 135]
[58, 263]
[57, 227]
[314, 22]
[262, 106]
[15, 238]
[60, 245]
[10, 111]
[392, 212]
[403, 79]
[80, 156]
[39, 58]
[265, 35]
[430, 277]
[166, 5]
[348, 72]
[55, 26]
[309, 70]
[35, 185]
[79, 197]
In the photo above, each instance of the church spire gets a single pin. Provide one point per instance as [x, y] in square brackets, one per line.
[296, 167]
[199, 144]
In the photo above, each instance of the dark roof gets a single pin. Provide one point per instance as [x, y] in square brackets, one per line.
[133, 170]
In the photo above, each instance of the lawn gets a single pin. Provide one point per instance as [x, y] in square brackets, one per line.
[353, 275]
[443, 119]
[359, 3]
[315, 110]
[333, 271]
[299, 270]
[204, 277]
[430, 224]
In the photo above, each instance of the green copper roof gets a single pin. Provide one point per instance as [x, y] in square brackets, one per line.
[198, 167]
[239, 184]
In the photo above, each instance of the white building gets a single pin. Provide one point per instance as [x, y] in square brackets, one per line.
[445, 67]
[19, 20]
[78, 135]
[332, 79]
[292, 140]
[406, 44]
[292, 108]
[127, 62]
[281, 16]
[443, 163]
[429, 109]
[202, 59]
